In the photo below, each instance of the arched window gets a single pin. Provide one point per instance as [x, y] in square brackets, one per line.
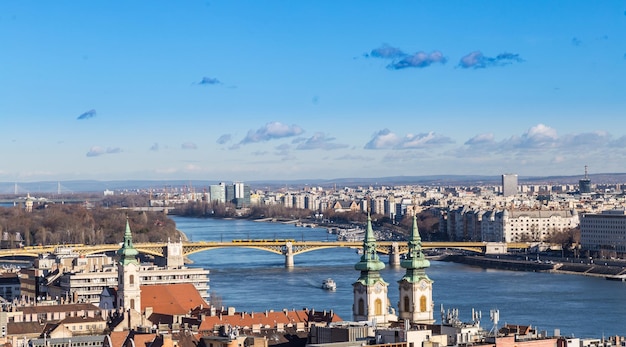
[361, 308]
[131, 279]
[132, 303]
[378, 307]
[406, 304]
[423, 304]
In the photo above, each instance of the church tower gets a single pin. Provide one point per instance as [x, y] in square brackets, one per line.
[416, 289]
[128, 291]
[370, 291]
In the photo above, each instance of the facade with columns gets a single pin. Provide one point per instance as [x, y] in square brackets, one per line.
[371, 301]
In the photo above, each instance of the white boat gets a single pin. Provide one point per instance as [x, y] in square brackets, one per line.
[329, 284]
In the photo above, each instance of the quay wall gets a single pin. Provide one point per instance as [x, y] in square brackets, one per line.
[501, 264]
[596, 270]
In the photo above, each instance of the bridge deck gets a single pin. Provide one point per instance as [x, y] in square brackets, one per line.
[274, 246]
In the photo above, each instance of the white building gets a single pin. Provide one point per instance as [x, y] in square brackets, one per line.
[604, 233]
[83, 278]
[509, 184]
[526, 225]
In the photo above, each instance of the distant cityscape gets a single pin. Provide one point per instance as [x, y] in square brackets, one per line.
[66, 299]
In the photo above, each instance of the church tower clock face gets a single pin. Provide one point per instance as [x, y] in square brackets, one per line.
[378, 288]
[423, 285]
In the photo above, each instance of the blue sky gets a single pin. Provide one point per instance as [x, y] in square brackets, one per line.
[250, 90]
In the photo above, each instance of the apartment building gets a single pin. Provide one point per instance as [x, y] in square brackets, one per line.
[604, 234]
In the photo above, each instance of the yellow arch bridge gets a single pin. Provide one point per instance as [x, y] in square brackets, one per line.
[288, 248]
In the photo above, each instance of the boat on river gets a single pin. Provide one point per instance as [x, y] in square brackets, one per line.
[329, 284]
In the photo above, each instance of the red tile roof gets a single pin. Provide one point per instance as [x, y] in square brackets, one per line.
[118, 338]
[143, 340]
[172, 299]
[265, 318]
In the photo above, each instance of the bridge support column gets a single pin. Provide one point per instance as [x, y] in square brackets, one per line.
[394, 255]
[288, 252]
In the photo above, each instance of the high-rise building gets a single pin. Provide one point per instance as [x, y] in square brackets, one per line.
[509, 184]
[218, 192]
[584, 185]
[241, 195]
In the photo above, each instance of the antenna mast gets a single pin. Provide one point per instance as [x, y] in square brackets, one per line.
[494, 315]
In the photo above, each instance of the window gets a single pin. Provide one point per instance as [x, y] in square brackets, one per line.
[407, 306]
[423, 304]
[361, 308]
[132, 304]
[131, 279]
[378, 307]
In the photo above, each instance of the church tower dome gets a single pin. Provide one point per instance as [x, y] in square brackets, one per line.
[416, 289]
[370, 290]
[128, 282]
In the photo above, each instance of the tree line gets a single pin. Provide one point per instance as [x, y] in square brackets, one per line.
[76, 224]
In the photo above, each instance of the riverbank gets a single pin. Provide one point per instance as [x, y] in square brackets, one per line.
[610, 272]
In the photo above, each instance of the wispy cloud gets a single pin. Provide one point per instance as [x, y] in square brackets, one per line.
[353, 157]
[403, 157]
[539, 139]
[188, 145]
[96, 151]
[477, 60]
[270, 131]
[481, 140]
[284, 151]
[385, 139]
[418, 60]
[209, 81]
[402, 60]
[424, 140]
[576, 41]
[86, 115]
[224, 139]
[320, 141]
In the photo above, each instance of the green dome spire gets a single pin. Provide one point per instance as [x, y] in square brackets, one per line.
[415, 262]
[128, 253]
[370, 264]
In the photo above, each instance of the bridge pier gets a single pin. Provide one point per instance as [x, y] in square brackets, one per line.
[394, 255]
[288, 252]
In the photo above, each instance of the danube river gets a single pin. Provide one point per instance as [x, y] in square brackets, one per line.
[254, 281]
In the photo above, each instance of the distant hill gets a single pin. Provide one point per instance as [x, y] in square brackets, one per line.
[81, 186]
